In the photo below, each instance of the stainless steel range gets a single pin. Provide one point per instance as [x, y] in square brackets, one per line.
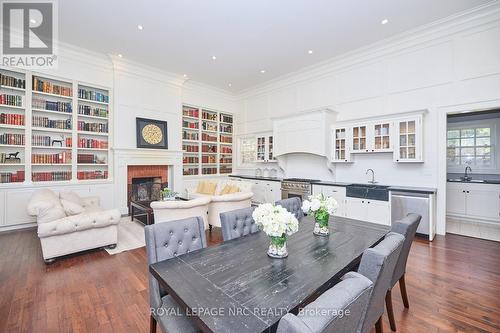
[296, 187]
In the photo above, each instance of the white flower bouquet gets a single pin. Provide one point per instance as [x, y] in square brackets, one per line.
[321, 207]
[277, 223]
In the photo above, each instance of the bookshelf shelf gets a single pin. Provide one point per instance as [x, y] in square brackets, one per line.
[51, 147]
[36, 92]
[51, 164]
[93, 149]
[12, 146]
[11, 164]
[12, 106]
[13, 88]
[53, 130]
[93, 133]
[52, 112]
[92, 117]
[18, 127]
[84, 100]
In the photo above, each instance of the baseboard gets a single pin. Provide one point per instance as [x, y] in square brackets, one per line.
[16, 227]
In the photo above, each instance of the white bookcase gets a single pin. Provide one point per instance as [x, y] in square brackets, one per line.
[54, 148]
[207, 141]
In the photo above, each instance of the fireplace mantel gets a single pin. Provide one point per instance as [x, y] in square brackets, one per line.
[137, 156]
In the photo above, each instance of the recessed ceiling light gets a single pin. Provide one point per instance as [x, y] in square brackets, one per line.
[33, 21]
[120, 55]
[385, 21]
[185, 75]
[262, 71]
[229, 84]
[140, 27]
[310, 51]
[214, 57]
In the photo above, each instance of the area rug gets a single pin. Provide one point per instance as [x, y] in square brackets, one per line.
[130, 236]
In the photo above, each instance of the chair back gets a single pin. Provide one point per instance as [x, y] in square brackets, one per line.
[238, 223]
[408, 228]
[167, 240]
[293, 205]
[346, 303]
[378, 264]
[165, 211]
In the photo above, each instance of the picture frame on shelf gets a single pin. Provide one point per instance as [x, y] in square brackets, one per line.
[151, 133]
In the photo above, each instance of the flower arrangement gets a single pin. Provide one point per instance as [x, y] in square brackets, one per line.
[168, 194]
[277, 223]
[321, 207]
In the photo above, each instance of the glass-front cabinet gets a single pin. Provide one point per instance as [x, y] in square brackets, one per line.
[359, 139]
[382, 137]
[341, 150]
[264, 149]
[409, 140]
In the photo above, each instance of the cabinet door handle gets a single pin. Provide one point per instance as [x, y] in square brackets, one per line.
[463, 191]
[468, 192]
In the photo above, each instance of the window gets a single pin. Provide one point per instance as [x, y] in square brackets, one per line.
[247, 147]
[470, 146]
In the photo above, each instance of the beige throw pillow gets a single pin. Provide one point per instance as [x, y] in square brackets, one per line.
[71, 208]
[71, 196]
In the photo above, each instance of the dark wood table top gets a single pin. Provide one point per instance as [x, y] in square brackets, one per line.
[236, 287]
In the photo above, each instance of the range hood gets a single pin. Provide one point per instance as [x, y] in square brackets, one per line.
[305, 132]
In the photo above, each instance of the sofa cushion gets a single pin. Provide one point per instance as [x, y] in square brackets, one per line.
[206, 187]
[71, 208]
[79, 222]
[72, 197]
[228, 189]
[46, 206]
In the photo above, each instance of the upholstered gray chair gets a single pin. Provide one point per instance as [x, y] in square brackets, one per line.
[165, 241]
[351, 294]
[293, 205]
[378, 265]
[408, 228]
[238, 223]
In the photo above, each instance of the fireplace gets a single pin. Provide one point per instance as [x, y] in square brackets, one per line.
[144, 182]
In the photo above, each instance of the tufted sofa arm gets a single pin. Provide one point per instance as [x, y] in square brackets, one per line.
[238, 196]
[79, 222]
[90, 201]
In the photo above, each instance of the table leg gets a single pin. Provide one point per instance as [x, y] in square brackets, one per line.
[131, 213]
[148, 218]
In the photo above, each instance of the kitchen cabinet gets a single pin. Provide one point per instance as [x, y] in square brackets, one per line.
[374, 211]
[341, 145]
[372, 137]
[475, 201]
[246, 150]
[265, 146]
[409, 140]
[338, 192]
[266, 191]
[359, 139]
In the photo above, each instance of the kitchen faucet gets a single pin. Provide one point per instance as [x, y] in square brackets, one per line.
[373, 176]
[466, 175]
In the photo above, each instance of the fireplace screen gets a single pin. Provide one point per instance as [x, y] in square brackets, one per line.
[145, 189]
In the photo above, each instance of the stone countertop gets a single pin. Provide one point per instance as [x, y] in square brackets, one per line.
[274, 179]
[410, 189]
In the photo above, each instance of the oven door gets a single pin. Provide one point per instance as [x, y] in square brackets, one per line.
[287, 194]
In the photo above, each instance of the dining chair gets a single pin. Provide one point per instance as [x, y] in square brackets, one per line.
[408, 228]
[165, 241]
[377, 264]
[238, 223]
[350, 296]
[293, 205]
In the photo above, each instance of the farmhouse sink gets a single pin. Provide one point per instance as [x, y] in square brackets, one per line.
[368, 191]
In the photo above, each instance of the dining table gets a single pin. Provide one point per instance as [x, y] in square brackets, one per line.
[236, 287]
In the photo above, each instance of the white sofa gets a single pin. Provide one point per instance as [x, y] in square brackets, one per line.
[72, 224]
[165, 211]
[220, 203]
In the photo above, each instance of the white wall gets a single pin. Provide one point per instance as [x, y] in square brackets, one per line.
[451, 63]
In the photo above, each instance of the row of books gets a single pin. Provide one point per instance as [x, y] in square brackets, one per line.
[209, 115]
[189, 124]
[12, 139]
[5, 160]
[226, 139]
[190, 171]
[92, 127]
[190, 159]
[12, 100]
[12, 177]
[209, 148]
[226, 128]
[209, 171]
[90, 159]
[190, 112]
[10, 81]
[92, 95]
[208, 137]
[225, 169]
[208, 159]
[12, 119]
[209, 126]
[42, 85]
[88, 110]
[191, 148]
[59, 158]
[41, 103]
[51, 123]
[96, 174]
[92, 143]
[226, 160]
[226, 119]
[51, 176]
[226, 150]
[187, 135]
[47, 141]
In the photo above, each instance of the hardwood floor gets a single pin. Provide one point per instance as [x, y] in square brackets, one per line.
[453, 285]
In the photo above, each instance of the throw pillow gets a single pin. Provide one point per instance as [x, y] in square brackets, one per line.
[234, 189]
[226, 190]
[71, 208]
[201, 185]
[49, 211]
[209, 188]
[71, 196]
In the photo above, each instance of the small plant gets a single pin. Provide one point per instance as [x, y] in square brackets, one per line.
[168, 194]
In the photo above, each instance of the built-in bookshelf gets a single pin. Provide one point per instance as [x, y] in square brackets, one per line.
[52, 129]
[207, 141]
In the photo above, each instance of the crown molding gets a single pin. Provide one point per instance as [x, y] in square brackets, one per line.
[432, 32]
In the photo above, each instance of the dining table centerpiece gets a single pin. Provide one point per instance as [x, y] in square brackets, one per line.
[321, 207]
[278, 224]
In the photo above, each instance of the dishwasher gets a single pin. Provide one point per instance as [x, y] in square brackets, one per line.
[403, 203]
